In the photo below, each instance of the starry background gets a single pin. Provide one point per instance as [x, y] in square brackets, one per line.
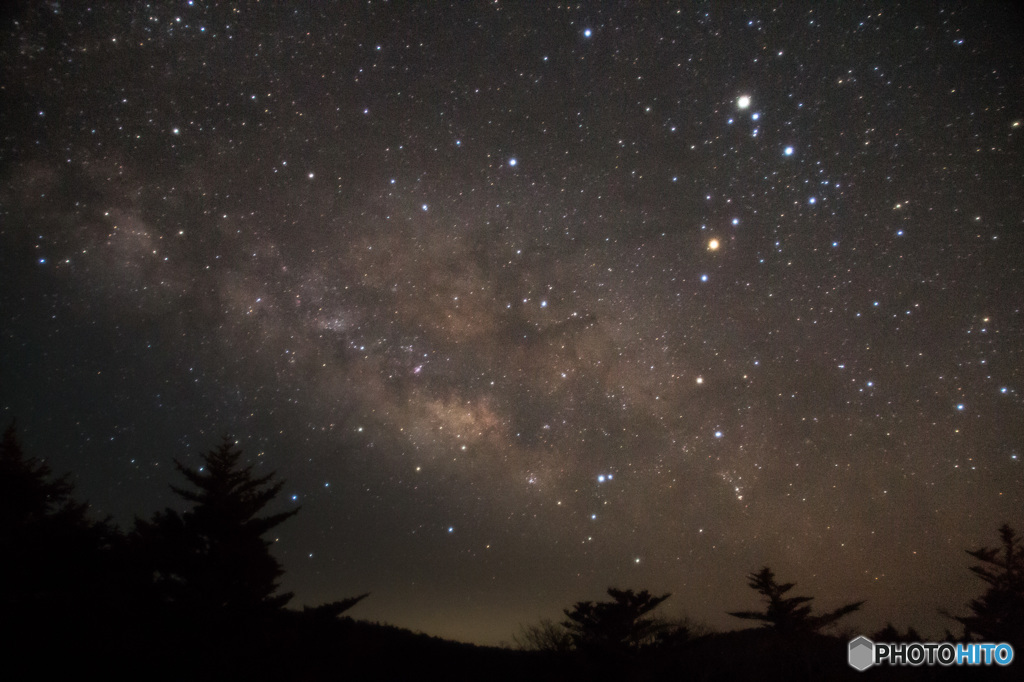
[528, 300]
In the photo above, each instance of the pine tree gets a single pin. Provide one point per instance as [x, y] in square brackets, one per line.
[618, 626]
[788, 615]
[998, 615]
[55, 566]
[29, 493]
[212, 561]
[43, 530]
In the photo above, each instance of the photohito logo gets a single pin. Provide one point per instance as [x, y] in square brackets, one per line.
[862, 653]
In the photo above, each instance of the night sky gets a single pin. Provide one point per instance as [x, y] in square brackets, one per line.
[525, 301]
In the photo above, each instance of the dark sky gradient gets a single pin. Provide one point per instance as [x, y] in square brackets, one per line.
[449, 271]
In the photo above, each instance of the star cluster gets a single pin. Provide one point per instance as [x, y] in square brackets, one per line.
[527, 300]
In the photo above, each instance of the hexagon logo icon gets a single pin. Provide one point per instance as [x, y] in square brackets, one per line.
[861, 653]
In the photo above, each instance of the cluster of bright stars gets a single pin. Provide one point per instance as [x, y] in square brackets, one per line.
[743, 102]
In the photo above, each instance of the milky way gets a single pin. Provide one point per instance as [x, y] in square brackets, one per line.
[524, 301]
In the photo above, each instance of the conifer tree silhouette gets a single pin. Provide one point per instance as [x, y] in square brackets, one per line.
[788, 615]
[29, 493]
[54, 560]
[616, 626]
[42, 527]
[212, 561]
[998, 615]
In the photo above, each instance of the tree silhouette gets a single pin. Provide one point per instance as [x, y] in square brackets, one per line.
[43, 529]
[891, 634]
[617, 626]
[998, 615]
[29, 494]
[55, 563]
[544, 636]
[789, 615]
[212, 561]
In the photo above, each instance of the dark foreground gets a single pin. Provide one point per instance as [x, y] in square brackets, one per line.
[312, 646]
